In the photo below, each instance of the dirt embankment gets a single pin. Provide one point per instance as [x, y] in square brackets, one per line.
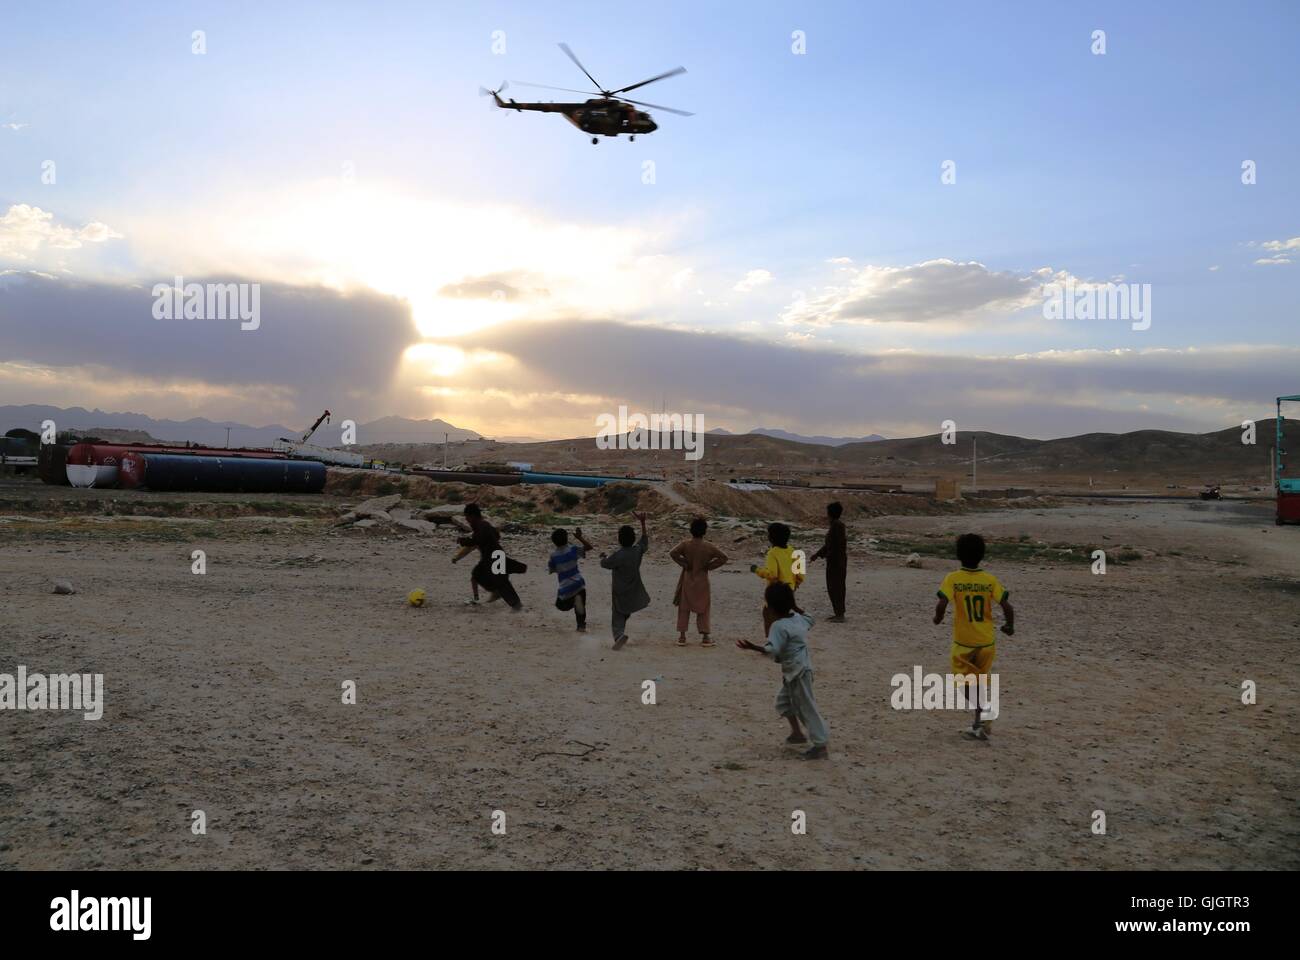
[620, 499]
[809, 506]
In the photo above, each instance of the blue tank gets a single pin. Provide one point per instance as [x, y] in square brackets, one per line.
[163, 471]
[566, 479]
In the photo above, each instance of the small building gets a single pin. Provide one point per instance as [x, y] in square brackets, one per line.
[947, 489]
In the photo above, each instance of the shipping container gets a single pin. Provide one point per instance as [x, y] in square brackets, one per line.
[1287, 485]
[19, 449]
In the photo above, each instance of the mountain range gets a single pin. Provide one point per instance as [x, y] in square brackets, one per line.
[384, 430]
[214, 432]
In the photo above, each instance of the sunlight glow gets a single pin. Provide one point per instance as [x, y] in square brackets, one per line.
[460, 266]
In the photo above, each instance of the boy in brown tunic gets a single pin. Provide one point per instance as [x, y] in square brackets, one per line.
[697, 557]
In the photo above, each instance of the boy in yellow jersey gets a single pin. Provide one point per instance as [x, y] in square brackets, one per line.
[973, 592]
[778, 567]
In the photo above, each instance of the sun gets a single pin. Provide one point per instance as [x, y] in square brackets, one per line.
[459, 264]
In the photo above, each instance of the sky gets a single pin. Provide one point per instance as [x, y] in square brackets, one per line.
[860, 230]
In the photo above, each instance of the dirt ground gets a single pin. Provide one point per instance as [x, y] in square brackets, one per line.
[1119, 692]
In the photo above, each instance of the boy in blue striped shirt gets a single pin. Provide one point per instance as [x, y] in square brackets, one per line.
[571, 593]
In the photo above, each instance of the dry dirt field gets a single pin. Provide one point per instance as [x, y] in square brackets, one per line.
[1120, 693]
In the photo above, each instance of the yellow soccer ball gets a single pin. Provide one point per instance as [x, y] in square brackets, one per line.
[415, 598]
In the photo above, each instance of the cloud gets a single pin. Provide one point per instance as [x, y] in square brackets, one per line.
[485, 263]
[1280, 245]
[1281, 248]
[26, 230]
[13, 126]
[359, 354]
[923, 292]
[1046, 394]
[497, 286]
[315, 348]
[752, 281]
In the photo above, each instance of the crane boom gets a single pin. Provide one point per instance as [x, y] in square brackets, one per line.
[306, 436]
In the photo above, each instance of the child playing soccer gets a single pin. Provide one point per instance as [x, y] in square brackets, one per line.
[465, 541]
[571, 593]
[778, 567]
[628, 594]
[485, 538]
[697, 557]
[787, 642]
[973, 592]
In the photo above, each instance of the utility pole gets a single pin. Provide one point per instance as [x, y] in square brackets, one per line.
[227, 438]
[446, 439]
[973, 446]
[1272, 463]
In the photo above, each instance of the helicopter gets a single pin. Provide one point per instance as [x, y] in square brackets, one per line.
[603, 116]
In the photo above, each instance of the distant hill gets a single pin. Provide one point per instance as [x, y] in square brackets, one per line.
[1161, 453]
[113, 435]
[1164, 457]
[796, 437]
[931, 449]
[406, 430]
[818, 439]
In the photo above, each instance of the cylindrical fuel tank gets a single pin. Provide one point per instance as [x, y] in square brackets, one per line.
[93, 464]
[164, 471]
[130, 473]
[568, 480]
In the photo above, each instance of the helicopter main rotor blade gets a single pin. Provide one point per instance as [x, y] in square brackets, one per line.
[542, 86]
[569, 53]
[663, 76]
[656, 106]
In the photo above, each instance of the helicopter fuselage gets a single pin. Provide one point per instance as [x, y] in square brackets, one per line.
[599, 116]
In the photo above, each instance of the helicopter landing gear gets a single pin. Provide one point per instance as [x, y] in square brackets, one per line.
[595, 140]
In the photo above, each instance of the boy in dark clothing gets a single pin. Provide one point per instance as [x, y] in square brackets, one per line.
[628, 594]
[835, 551]
[492, 572]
